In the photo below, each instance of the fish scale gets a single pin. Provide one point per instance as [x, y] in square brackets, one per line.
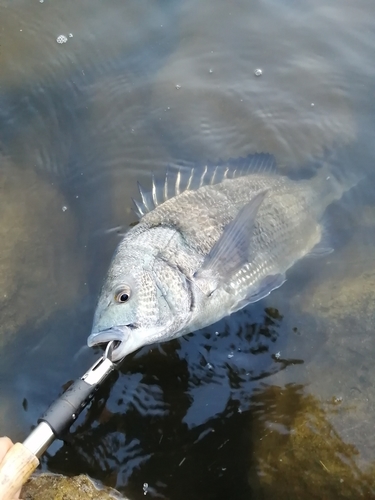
[209, 250]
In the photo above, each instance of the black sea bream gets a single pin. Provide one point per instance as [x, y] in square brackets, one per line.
[204, 251]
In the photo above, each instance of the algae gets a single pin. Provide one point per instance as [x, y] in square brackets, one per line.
[57, 487]
[297, 453]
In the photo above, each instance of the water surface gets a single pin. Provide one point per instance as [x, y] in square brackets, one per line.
[276, 401]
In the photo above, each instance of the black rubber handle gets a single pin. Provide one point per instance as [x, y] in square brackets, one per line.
[64, 411]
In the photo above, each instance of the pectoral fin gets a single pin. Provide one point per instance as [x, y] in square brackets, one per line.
[231, 251]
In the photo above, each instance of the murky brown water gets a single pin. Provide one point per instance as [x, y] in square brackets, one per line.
[276, 401]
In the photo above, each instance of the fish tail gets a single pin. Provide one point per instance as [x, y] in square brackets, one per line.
[331, 183]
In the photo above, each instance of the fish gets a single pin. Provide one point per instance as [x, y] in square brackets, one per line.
[207, 246]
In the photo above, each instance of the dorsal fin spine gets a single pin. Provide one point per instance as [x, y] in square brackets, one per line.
[142, 194]
[190, 179]
[138, 208]
[166, 184]
[213, 178]
[147, 202]
[154, 195]
[201, 182]
[178, 183]
[210, 174]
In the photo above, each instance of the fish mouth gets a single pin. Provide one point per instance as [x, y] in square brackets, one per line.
[120, 334]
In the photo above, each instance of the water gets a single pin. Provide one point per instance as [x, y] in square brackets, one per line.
[276, 401]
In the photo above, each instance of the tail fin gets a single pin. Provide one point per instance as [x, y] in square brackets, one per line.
[331, 182]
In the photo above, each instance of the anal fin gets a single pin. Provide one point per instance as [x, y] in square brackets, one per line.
[320, 250]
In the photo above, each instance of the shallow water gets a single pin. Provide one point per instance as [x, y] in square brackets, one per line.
[276, 401]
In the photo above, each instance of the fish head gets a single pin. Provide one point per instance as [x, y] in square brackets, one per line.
[143, 300]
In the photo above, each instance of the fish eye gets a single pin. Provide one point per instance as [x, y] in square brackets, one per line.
[123, 295]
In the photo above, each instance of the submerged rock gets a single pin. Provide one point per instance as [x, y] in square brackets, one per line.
[57, 487]
[38, 274]
[297, 452]
[337, 345]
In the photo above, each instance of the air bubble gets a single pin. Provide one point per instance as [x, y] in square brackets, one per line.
[61, 39]
[64, 208]
[258, 72]
[178, 87]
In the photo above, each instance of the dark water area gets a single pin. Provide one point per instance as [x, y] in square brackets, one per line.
[276, 401]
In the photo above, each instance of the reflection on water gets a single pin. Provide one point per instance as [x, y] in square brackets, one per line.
[165, 403]
[243, 408]
[283, 447]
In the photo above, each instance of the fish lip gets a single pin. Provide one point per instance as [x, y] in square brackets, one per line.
[120, 334]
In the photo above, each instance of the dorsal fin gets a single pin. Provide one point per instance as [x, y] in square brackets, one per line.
[182, 178]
